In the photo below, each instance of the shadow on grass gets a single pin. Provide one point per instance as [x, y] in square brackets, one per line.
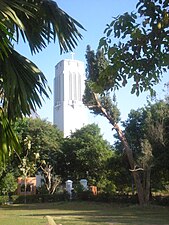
[75, 213]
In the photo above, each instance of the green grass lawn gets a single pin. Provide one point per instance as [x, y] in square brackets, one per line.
[83, 213]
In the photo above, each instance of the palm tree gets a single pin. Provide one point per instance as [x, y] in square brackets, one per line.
[22, 85]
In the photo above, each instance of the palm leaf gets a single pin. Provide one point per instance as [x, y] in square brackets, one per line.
[40, 22]
[5, 43]
[23, 85]
[8, 140]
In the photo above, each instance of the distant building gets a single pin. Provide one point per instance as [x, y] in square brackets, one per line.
[29, 182]
[32, 183]
[69, 111]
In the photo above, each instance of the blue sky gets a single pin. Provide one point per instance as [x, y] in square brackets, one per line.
[93, 15]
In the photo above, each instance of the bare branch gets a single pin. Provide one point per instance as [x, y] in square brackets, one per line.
[136, 169]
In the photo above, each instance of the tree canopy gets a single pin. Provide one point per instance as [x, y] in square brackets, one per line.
[136, 47]
[150, 125]
[84, 155]
[45, 139]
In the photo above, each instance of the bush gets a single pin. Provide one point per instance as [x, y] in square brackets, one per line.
[8, 184]
[119, 198]
[79, 193]
[160, 200]
[40, 198]
[4, 199]
[85, 195]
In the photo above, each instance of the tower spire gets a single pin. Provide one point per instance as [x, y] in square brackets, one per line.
[72, 55]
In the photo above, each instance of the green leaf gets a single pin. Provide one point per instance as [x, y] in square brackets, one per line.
[8, 140]
[109, 32]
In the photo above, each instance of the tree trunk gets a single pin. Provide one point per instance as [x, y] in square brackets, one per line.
[129, 153]
[48, 177]
[135, 173]
[147, 174]
[25, 183]
[139, 187]
[56, 182]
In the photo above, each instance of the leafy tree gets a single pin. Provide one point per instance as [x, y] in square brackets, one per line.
[100, 102]
[45, 139]
[22, 84]
[8, 184]
[45, 142]
[142, 54]
[84, 155]
[147, 131]
[136, 47]
[26, 167]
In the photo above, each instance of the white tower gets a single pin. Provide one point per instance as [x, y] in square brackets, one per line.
[69, 111]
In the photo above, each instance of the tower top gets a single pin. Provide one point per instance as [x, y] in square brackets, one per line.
[72, 55]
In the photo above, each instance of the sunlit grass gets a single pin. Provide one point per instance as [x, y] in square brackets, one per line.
[83, 213]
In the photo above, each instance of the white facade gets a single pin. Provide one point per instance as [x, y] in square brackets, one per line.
[69, 111]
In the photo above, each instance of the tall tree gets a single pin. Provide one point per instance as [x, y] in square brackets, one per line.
[22, 84]
[142, 54]
[100, 103]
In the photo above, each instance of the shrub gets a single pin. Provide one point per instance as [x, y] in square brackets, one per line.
[160, 200]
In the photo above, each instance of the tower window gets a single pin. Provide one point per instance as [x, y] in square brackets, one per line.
[74, 86]
[70, 86]
[79, 87]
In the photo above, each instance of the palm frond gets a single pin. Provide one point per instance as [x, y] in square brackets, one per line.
[23, 85]
[5, 43]
[39, 22]
[8, 140]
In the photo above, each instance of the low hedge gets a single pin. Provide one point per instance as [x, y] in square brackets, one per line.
[6, 200]
[131, 199]
[102, 197]
[32, 198]
[160, 200]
